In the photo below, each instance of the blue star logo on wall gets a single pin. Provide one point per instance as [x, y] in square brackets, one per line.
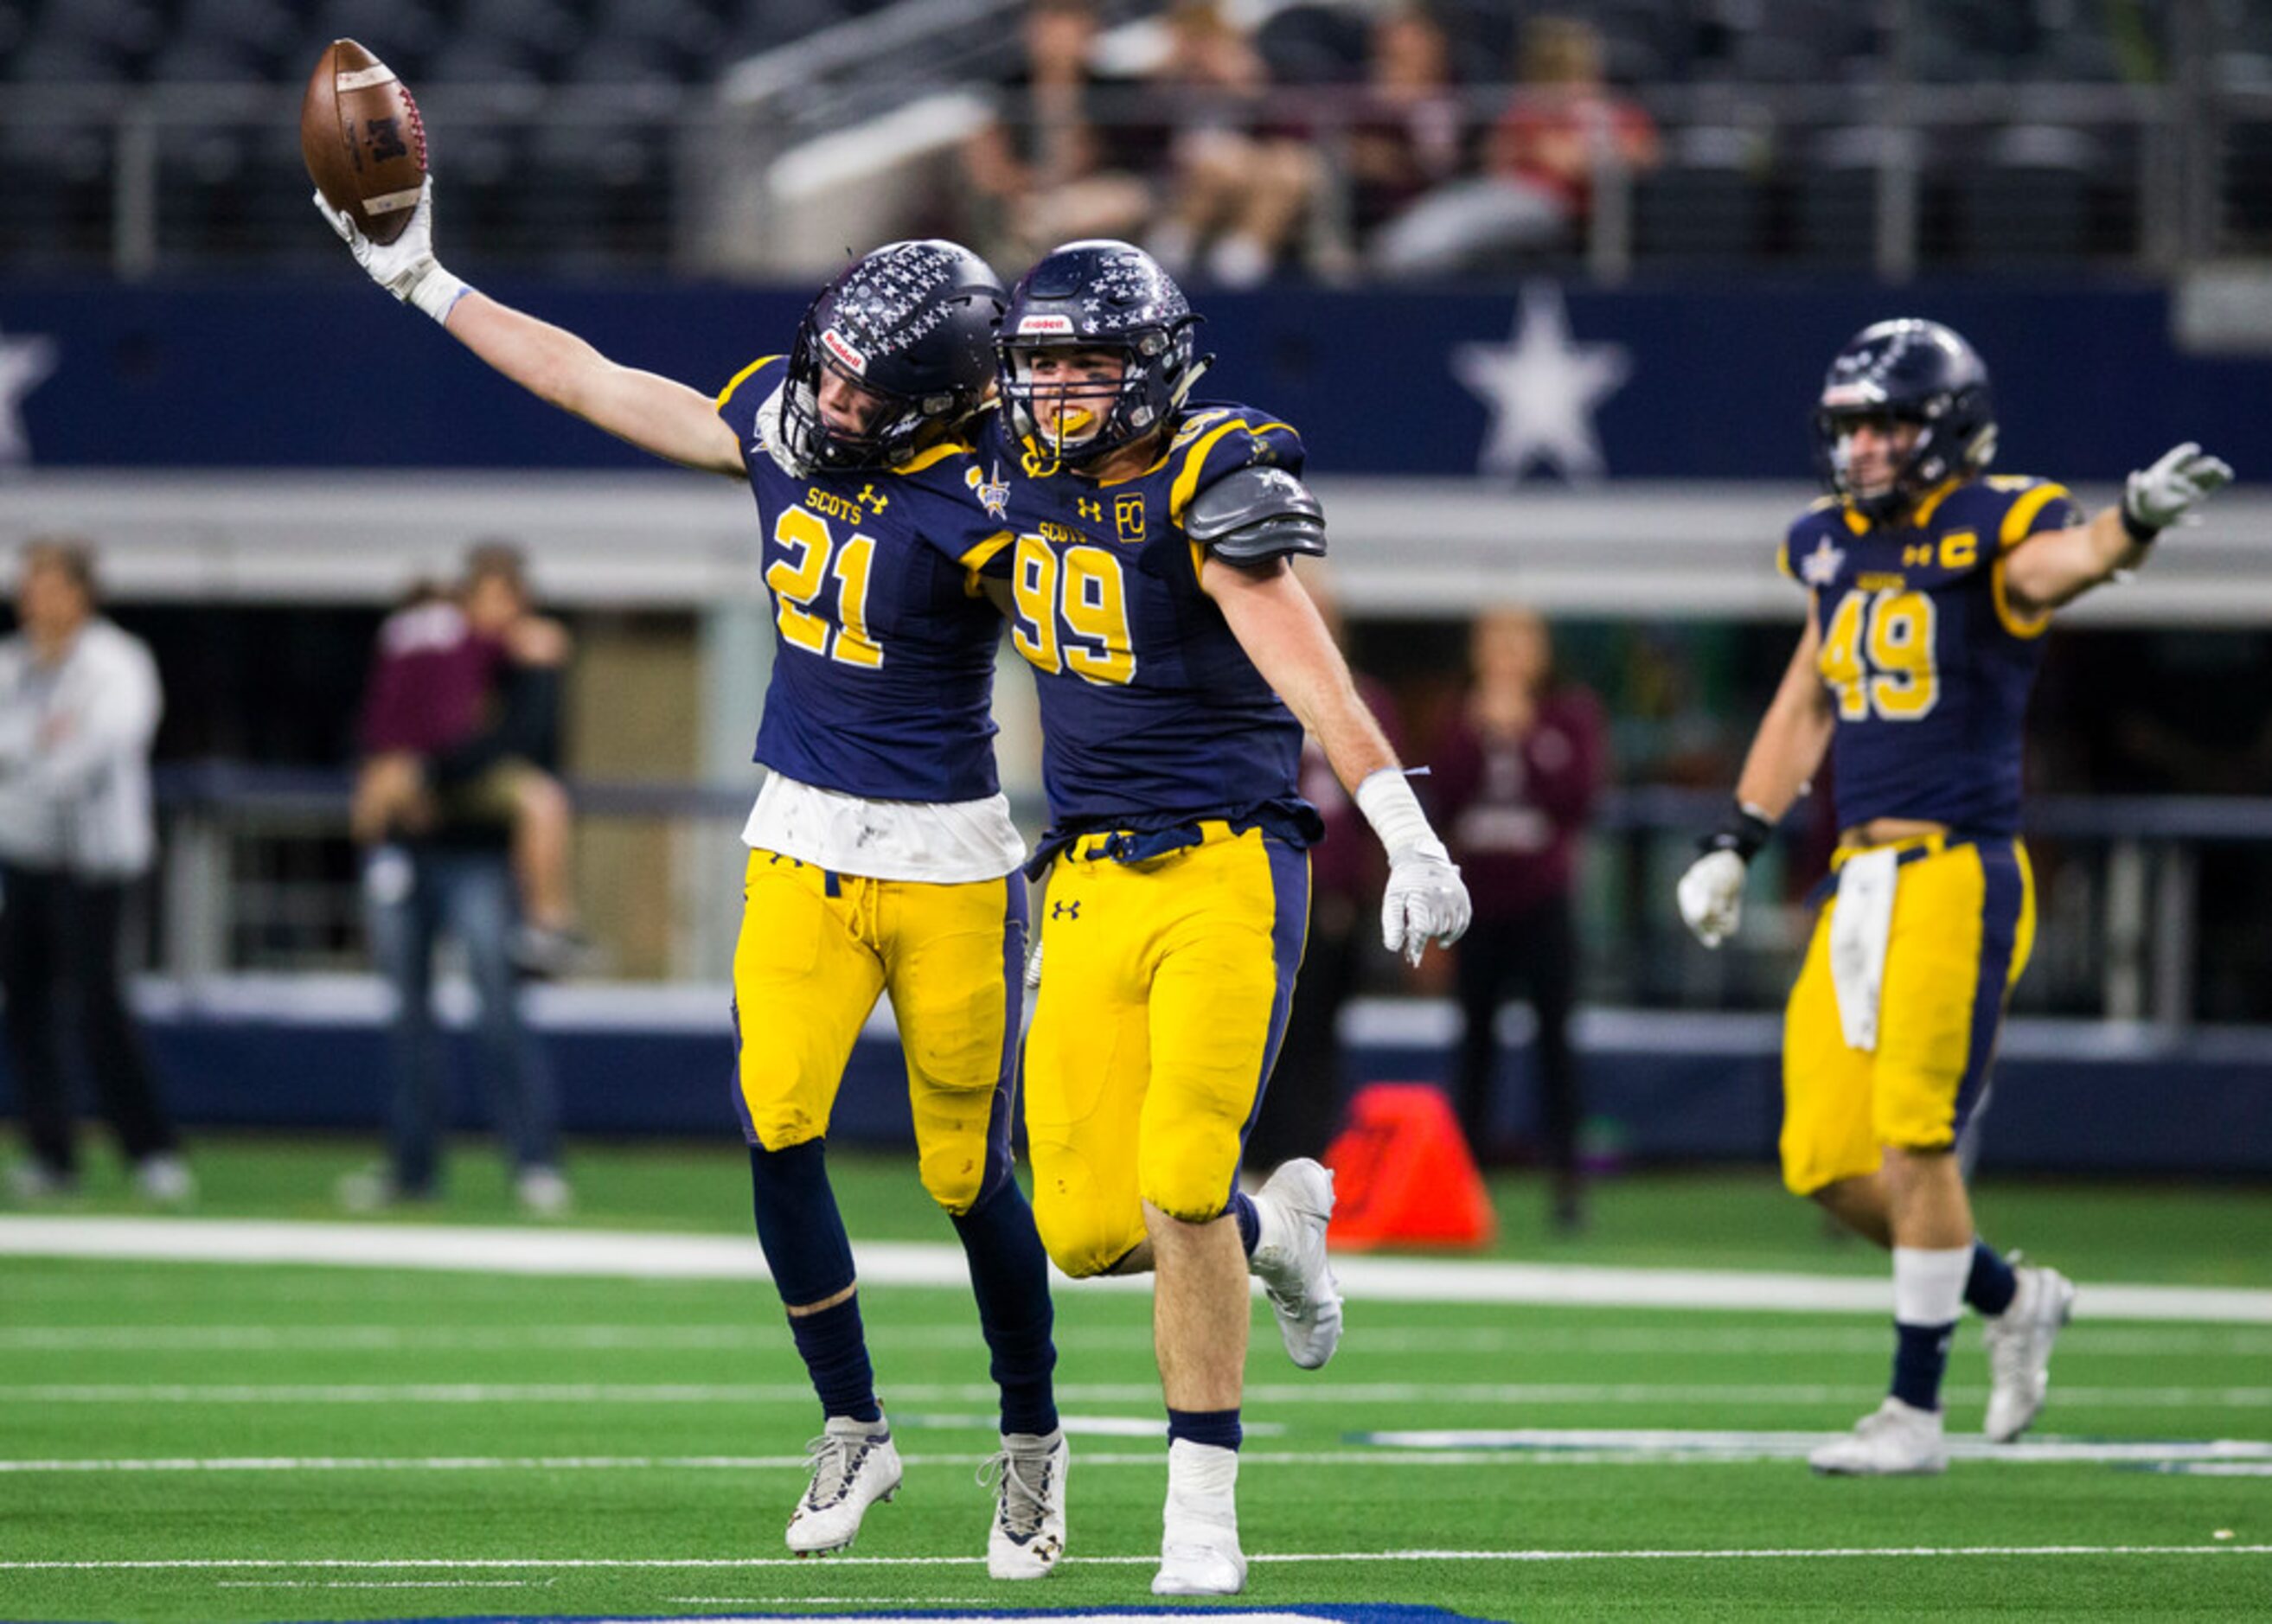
[24, 364]
[1542, 389]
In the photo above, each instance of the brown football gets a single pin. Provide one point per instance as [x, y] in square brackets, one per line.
[362, 139]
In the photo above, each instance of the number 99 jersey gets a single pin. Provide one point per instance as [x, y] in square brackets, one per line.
[884, 672]
[1928, 663]
[1152, 714]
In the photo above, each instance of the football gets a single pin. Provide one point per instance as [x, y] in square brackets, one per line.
[362, 139]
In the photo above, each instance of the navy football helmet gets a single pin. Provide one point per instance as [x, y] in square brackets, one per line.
[912, 323]
[1099, 294]
[1907, 371]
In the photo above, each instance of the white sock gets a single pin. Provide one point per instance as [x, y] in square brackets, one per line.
[1929, 1286]
[1203, 1478]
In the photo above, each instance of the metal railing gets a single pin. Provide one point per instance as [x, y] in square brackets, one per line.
[1888, 178]
[257, 876]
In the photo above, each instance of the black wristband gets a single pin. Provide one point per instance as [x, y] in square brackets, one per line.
[1743, 833]
[2138, 530]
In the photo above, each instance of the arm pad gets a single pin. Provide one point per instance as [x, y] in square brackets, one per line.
[1254, 514]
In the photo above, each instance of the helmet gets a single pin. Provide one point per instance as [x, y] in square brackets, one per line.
[912, 322]
[1911, 371]
[1101, 295]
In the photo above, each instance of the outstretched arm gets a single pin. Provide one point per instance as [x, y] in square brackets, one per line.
[2057, 566]
[654, 413]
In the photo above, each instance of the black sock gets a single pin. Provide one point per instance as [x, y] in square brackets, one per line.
[1218, 1428]
[1010, 1277]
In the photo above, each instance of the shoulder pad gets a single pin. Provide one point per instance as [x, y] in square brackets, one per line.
[1256, 513]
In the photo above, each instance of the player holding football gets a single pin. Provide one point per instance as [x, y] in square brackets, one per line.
[1147, 548]
[881, 852]
[1930, 588]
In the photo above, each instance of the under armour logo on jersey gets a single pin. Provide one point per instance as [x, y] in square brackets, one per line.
[1915, 556]
[1821, 567]
[1064, 910]
[874, 498]
[1091, 509]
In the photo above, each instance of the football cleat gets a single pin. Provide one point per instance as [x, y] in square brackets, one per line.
[854, 1465]
[1294, 1206]
[165, 1181]
[1198, 1535]
[543, 1192]
[1893, 1441]
[2019, 1341]
[1028, 1479]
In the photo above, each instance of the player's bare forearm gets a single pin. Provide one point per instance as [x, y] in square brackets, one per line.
[1793, 734]
[2057, 566]
[1279, 628]
[655, 413]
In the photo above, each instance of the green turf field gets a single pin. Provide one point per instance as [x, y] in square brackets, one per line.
[317, 1443]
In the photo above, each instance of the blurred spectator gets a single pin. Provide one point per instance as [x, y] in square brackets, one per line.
[79, 701]
[1239, 187]
[1054, 165]
[446, 668]
[1406, 137]
[446, 860]
[1302, 1107]
[1515, 784]
[1564, 126]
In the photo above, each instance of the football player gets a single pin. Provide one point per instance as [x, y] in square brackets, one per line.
[1147, 541]
[882, 856]
[1929, 587]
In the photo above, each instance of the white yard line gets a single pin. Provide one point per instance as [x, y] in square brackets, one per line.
[688, 1258]
[576, 1563]
[1337, 1394]
[1534, 1446]
[1399, 1341]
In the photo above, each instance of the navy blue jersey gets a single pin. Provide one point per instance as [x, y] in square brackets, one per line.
[1152, 715]
[885, 641]
[1928, 664]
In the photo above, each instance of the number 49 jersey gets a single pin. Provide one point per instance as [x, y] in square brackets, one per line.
[1928, 663]
[884, 667]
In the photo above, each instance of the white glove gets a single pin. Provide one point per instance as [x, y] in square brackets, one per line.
[406, 267]
[1425, 901]
[1712, 896]
[2185, 477]
[1033, 966]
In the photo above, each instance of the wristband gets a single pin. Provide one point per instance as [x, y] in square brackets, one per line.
[436, 292]
[1745, 831]
[1389, 805]
[2140, 533]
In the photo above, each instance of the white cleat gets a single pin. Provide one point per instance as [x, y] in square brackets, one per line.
[1199, 1536]
[1893, 1441]
[2019, 1341]
[165, 1181]
[1028, 1479]
[854, 1465]
[1294, 1206]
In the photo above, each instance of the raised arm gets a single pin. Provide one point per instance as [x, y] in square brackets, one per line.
[655, 413]
[2057, 566]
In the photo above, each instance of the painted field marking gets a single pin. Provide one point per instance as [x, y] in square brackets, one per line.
[1401, 1341]
[1736, 1394]
[663, 1255]
[596, 1563]
[1537, 1447]
[1667, 1444]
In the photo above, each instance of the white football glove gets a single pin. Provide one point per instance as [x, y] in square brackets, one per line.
[1033, 966]
[1712, 896]
[406, 267]
[1426, 900]
[2185, 477]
